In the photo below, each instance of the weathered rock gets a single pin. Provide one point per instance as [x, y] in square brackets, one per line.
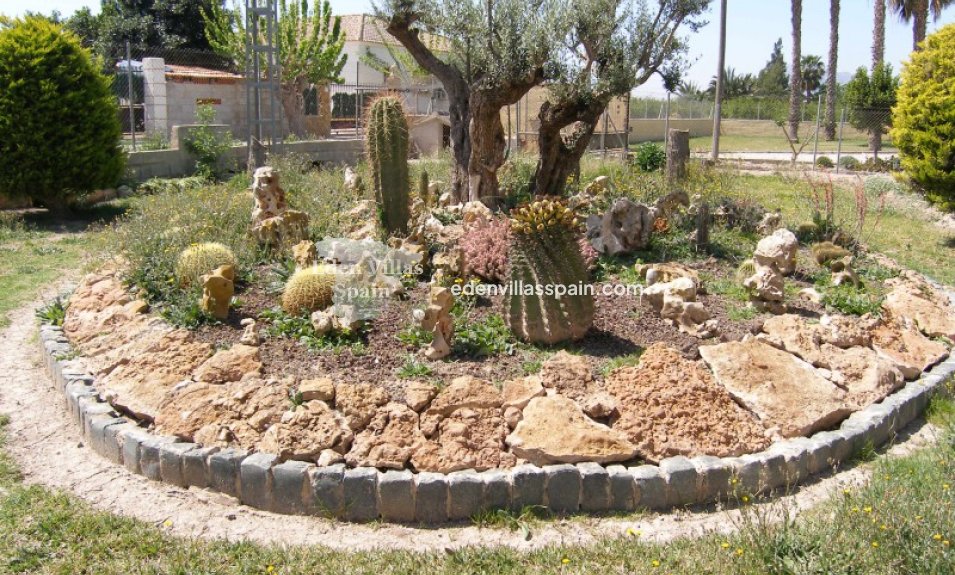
[778, 249]
[250, 335]
[675, 301]
[796, 334]
[785, 392]
[902, 343]
[217, 291]
[418, 394]
[770, 223]
[389, 440]
[305, 433]
[600, 405]
[272, 222]
[567, 374]
[304, 254]
[467, 438]
[135, 377]
[810, 294]
[626, 227]
[670, 406]
[555, 430]
[358, 402]
[230, 365]
[913, 298]
[474, 211]
[320, 389]
[463, 392]
[518, 392]
[512, 416]
[437, 319]
[866, 376]
[666, 272]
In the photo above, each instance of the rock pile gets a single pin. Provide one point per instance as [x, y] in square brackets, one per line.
[273, 223]
[774, 258]
[671, 291]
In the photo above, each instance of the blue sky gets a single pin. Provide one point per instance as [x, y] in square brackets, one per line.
[752, 27]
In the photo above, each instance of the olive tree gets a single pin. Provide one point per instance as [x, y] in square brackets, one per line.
[612, 47]
[491, 53]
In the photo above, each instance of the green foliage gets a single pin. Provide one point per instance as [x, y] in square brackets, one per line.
[386, 143]
[59, 125]
[485, 337]
[311, 41]
[209, 146]
[773, 79]
[870, 98]
[850, 163]
[309, 289]
[300, 329]
[53, 313]
[412, 368]
[11, 225]
[650, 157]
[414, 336]
[545, 256]
[852, 300]
[515, 179]
[825, 162]
[924, 128]
[200, 259]
[629, 360]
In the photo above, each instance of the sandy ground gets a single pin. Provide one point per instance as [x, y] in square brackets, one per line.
[49, 451]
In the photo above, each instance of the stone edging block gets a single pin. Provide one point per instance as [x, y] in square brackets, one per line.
[367, 494]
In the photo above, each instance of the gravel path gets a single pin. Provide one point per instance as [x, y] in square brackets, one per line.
[46, 445]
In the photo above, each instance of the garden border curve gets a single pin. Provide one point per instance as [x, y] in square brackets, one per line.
[367, 494]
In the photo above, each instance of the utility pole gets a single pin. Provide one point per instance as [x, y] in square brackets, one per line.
[719, 85]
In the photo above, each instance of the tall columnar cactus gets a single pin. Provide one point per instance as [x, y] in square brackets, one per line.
[545, 257]
[387, 146]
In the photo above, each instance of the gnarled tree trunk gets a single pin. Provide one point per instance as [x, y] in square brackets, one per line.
[560, 153]
[487, 149]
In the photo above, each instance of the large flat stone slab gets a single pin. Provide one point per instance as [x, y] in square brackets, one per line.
[902, 343]
[785, 392]
[915, 299]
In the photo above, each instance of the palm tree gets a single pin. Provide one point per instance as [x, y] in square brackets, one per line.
[813, 71]
[718, 112]
[734, 85]
[878, 34]
[917, 12]
[795, 78]
[831, 85]
[878, 57]
[690, 89]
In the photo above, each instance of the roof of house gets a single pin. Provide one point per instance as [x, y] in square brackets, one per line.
[368, 28]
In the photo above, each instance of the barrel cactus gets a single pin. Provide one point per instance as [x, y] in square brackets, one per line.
[308, 290]
[387, 147]
[200, 259]
[545, 256]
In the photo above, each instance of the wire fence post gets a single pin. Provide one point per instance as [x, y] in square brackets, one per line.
[842, 125]
[129, 91]
[815, 144]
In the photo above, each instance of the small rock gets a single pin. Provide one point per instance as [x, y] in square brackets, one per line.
[519, 392]
[599, 405]
[418, 395]
[567, 374]
[321, 389]
[512, 416]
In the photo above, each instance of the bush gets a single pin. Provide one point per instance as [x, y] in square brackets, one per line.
[650, 157]
[208, 146]
[825, 162]
[924, 127]
[850, 163]
[59, 124]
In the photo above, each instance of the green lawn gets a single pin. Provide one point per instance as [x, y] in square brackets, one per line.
[902, 521]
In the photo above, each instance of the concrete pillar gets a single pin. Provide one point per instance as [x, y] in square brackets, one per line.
[154, 80]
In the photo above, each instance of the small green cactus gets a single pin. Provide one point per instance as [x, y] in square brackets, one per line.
[200, 259]
[807, 231]
[544, 255]
[826, 252]
[386, 142]
[309, 289]
[423, 193]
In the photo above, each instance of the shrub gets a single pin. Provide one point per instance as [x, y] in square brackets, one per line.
[210, 147]
[484, 247]
[825, 162]
[310, 289]
[200, 259]
[59, 124]
[650, 157]
[924, 128]
[850, 163]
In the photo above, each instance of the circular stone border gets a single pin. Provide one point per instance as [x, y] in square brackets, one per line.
[367, 494]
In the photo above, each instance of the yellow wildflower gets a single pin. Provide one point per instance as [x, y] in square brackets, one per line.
[875, 544]
[565, 561]
[739, 551]
[937, 537]
[725, 545]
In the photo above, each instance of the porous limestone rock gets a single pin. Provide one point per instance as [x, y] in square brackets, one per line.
[437, 319]
[555, 429]
[779, 249]
[418, 394]
[624, 228]
[843, 272]
[352, 181]
[786, 393]
[770, 223]
[463, 392]
[567, 374]
[303, 434]
[675, 301]
[866, 376]
[230, 364]
[467, 438]
[912, 297]
[250, 335]
[273, 223]
[518, 392]
[358, 402]
[597, 186]
[318, 389]
[471, 212]
[389, 440]
[669, 406]
[901, 342]
[774, 258]
[600, 405]
[304, 254]
[217, 291]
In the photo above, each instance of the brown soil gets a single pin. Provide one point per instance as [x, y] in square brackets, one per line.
[622, 326]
